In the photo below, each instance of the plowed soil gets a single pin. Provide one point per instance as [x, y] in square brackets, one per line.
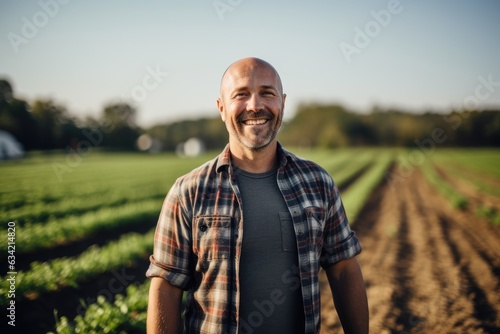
[428, 268]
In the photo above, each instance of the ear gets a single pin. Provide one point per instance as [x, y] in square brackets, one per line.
[283, 103]
[220, 106]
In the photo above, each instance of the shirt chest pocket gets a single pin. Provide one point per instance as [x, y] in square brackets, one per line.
[212, 237]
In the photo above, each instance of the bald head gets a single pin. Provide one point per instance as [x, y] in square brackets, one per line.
[249, 67]
[251, 103]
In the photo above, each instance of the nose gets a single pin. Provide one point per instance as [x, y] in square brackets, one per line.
[254, 103]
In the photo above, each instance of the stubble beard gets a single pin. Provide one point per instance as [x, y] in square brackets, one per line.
[261, 141]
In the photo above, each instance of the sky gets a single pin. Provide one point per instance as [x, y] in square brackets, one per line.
[167, 57]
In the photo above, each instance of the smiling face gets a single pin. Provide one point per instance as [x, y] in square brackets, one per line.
[251, 104]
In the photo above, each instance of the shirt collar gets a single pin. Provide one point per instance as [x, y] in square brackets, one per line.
[224, 159]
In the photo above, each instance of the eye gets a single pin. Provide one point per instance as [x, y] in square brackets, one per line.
[268, 93]
[240, 94]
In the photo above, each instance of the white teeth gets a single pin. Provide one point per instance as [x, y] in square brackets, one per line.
[255, 121]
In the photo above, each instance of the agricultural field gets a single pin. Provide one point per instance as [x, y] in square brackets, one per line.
[428, 223]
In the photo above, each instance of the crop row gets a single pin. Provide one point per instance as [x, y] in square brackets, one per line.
[61, 272]
[473, 168]
[480, 161]
[346, 175]
[455, 198]
[481, 182]
[125, 314]
[32, 190]
[338, 161]
[367, 166]
[41, 212]
[345, 166]
[357, 194]
[32, 237]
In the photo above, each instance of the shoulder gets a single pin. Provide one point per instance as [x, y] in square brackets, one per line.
[310, 170]
[197, 177]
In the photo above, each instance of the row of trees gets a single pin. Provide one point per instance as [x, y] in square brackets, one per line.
[334, 126]
[44, 125]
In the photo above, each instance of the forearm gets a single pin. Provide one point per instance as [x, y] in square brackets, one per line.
[349, 294]
[164, 308]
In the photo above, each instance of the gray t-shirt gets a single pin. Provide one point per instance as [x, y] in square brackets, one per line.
[270, 297]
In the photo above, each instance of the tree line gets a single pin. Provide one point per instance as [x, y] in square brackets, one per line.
[334, 126]
[46, 125]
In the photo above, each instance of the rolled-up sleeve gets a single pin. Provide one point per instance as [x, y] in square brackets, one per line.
[340, 242]
[172, 242]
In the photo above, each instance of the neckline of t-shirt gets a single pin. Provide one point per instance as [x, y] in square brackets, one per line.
[244, 173]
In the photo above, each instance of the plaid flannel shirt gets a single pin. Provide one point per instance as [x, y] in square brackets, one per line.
[198, 238]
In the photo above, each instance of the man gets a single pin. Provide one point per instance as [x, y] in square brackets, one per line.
[246, 233]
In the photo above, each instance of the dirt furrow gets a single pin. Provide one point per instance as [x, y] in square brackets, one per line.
[482, 236]
[420, 286]
[428, 268]
[480, 285]
[400, 317]
[475, 250]
[377, 229]
[455, 312]
[377, 260]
